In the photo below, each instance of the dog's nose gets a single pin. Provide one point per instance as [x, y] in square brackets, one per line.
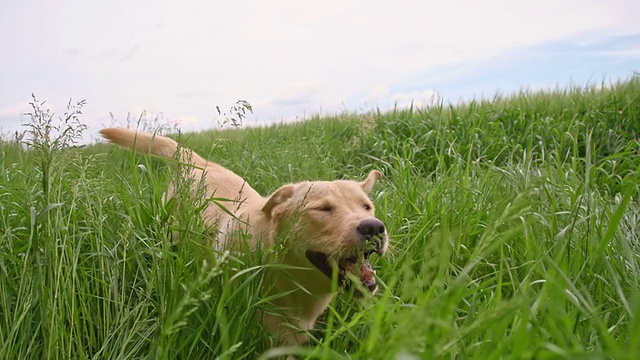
[370, 228]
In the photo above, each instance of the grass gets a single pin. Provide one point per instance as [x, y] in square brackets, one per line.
[514, 226]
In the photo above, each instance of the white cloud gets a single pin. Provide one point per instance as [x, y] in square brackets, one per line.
[626, 53]
[15, 110]
[417, 99]
[378, 93]
[11, 117]
[287, 58]
[380, 97]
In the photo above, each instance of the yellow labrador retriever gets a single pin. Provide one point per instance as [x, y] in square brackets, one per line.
[329, 228]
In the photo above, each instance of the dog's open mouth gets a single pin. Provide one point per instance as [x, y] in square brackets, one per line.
[359, 266]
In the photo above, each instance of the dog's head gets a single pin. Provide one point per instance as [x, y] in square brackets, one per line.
[332, 225]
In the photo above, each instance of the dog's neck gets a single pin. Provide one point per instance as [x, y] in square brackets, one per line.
[304, 275]
[309, 290]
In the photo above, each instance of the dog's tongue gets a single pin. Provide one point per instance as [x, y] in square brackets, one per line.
[367, 276]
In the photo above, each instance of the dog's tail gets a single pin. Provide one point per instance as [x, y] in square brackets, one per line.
[146, 143]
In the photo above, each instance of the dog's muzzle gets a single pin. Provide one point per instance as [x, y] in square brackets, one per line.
[374, 236]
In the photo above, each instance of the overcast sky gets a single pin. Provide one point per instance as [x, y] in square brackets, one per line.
[293, 59]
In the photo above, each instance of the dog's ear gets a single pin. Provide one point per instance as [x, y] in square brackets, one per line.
[367, 184]
[278, 197]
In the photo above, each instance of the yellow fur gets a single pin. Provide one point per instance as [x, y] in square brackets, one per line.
[299, 209]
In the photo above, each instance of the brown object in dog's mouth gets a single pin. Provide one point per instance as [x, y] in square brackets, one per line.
[346, 265]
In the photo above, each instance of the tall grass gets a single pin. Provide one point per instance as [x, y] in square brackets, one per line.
[514, 226]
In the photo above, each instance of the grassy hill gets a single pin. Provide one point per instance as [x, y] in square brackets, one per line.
[514, 226]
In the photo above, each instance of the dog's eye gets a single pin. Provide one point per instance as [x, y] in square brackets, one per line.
[367, 207]
[325, 208]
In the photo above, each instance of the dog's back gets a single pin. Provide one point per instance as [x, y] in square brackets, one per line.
[230, 190]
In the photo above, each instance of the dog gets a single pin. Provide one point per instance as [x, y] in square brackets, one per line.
[329, 230]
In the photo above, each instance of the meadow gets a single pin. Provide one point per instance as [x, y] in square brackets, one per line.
[514, 225]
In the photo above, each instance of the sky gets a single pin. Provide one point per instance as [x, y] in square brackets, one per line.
[179, 60]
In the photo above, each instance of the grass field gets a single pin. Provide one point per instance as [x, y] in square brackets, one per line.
[514, 224]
